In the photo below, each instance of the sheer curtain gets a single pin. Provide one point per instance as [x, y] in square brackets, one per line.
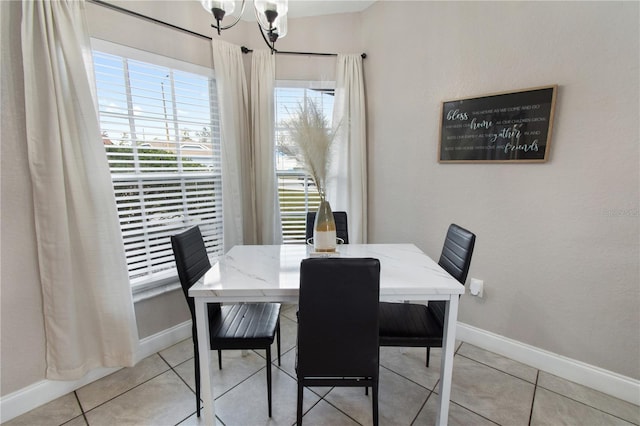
[348, 182]
[237, 194]
[88, 310]
[263, 75]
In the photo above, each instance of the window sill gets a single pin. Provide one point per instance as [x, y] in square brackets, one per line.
[157, 287]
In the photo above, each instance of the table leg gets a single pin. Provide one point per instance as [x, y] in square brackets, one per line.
[204, 350]
[446, 365]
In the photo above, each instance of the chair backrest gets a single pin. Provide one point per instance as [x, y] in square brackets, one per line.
[338, 317]
[457, 251]
[455, 259]
[342, 231]
[191, 260]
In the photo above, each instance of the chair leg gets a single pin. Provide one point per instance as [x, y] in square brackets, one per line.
[196, 361]
[219, 359]
[278, 340]
[269, 378]
[428, 355]
[299, 404]
[375, 402]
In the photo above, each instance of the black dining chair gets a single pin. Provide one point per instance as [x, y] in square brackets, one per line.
[416, 325]
[342, 231]
[248, 326]
[338, 325]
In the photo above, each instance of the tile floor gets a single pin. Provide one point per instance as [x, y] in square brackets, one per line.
[488, 389]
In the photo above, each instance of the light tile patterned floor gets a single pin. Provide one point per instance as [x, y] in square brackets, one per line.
[488, 389]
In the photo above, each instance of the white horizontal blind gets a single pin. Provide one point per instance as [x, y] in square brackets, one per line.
[297, 192]
[160, 129]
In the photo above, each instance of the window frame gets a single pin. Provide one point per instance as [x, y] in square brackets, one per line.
[159, 282]
[294, 232]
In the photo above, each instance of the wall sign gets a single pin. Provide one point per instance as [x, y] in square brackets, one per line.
[502, 127]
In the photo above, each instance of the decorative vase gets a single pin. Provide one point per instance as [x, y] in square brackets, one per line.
[324, 229]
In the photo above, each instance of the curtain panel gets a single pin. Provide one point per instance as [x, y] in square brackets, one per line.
[348, 178]
[238, 192]
[263, 76]
[89, 318]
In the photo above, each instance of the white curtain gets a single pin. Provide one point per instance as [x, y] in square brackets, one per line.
[347, 185]
[263, 75]
[88, 310]
[237, 193]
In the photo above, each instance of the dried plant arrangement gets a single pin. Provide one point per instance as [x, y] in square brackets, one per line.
[311, 140]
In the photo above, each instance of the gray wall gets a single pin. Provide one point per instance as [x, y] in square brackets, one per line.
[561, 272]
[561, 268]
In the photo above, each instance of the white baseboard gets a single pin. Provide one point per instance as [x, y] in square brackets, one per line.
[162, 340]
[597, 378]
[40, 393]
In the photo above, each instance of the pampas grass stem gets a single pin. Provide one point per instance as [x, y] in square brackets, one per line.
[311, 139]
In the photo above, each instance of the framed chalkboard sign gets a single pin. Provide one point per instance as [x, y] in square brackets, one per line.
[501, 127]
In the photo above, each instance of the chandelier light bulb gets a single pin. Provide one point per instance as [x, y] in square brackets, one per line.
[225, 6]
[269, 11]
[280, 25]
[270, 14]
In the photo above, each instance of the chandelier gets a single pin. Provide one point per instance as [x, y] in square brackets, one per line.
[271, 16]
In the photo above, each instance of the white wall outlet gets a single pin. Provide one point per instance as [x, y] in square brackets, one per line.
[476, 287]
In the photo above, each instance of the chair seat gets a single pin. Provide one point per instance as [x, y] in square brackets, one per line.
[409, 324]
[243, 326]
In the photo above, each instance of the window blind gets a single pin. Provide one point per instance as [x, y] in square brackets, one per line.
[296, 190]
[160, 129]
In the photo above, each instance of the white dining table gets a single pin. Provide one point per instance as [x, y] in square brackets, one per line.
[271, 273]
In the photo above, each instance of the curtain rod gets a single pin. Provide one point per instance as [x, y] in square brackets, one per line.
[284, 52]
[193, 33]
[147, 18]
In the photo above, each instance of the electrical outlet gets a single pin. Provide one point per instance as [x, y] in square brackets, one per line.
[476, 287]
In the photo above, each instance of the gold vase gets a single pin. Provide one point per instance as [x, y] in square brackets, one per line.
[324, 229]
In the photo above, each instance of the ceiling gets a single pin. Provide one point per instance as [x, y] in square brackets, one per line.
[302, 8]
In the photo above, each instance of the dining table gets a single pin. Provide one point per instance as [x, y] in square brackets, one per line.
[271, 273]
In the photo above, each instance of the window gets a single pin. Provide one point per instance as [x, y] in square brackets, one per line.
[160, 129]
[297, 192]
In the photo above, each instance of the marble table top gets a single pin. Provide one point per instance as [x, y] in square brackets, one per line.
[255, 273]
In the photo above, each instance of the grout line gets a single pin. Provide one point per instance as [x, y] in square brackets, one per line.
[588, 405]
[536, 386]
[178, 374]
[187, 384]
[224, 393]
[422, 408]
[84, 416]
[471, 411]
[407, 378]
[241, 381]
[497, 369]
[435, 394]
[322, 398]
[130, 389]
[533, 400]
[310, 389]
